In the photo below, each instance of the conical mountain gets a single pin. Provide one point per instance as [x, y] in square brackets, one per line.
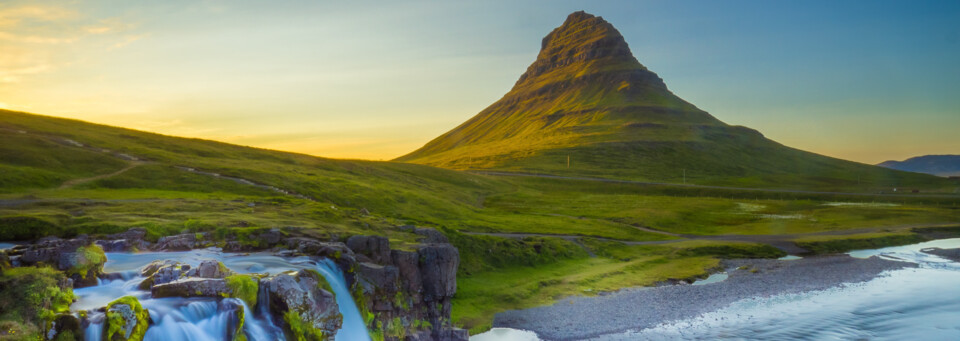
[587, 107]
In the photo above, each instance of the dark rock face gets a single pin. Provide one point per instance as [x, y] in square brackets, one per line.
[192, 287]
[299, 292]
[375, 248]
[415, 285]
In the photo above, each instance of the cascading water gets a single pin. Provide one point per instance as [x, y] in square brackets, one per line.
[203, 319]
[353, 326]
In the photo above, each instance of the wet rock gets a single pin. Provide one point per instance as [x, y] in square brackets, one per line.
[376, 248]
[235, 318]
[162, 271]
[125, 320]
[84, 265]
[209, 269]
[299, 299]
[192, 287]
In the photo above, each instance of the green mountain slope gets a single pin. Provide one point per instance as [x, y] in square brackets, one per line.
[587, 107]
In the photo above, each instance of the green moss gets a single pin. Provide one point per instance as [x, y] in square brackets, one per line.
[91, 257]
[396, 329]
[116, 328]
[300, 330]
[244, 287]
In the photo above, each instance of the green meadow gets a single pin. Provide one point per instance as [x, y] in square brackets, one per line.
[65, 177]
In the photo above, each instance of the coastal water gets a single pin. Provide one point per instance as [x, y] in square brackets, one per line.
[920, 303]
[207, 318]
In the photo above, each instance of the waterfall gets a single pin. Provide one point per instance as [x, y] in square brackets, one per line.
[353, 328]
[202, 319]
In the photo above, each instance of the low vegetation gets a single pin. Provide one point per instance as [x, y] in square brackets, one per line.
[30, 298]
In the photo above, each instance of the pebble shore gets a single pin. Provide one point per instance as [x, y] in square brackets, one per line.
[578, 318]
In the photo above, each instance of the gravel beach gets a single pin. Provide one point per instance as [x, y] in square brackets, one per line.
[577, 318]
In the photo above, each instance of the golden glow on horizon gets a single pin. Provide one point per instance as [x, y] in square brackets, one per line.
[341, 82]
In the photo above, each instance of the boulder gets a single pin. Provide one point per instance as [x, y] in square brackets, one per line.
[307, 309]
[84, 265]
[380, 284]
[272, 237]
[161, 272]
[210, 269]
[192, 287]
[376, 248]
[128, 241]
[126, 320]
[180, 242]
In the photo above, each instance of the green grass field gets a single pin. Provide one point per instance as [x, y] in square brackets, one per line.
[338, 198]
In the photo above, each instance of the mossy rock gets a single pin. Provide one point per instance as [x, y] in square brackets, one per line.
[126, 320]
[244, 287]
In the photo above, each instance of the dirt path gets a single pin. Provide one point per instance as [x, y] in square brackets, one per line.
[74, 182]
[781, 241]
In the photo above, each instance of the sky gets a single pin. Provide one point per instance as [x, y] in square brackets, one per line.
[866, 81]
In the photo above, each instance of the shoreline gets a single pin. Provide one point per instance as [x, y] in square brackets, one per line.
[576, 318]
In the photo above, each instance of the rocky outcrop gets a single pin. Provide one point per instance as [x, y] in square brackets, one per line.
[129, 241]
[411, 287]
[126, 320]
[79, 258]
[308, 310]
[180, 242]
[167, 271]
[192, 287]
[372, 248]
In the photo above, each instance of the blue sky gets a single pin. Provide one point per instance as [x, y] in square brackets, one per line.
[861, 80]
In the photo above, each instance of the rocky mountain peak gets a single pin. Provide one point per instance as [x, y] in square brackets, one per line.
[583, 41]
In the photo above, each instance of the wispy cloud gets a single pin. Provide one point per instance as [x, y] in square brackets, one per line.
[38, 37]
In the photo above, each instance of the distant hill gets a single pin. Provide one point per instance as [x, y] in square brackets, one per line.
[941, 165]
[587, 107]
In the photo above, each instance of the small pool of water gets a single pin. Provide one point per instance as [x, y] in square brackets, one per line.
[714, 278]
[506, 334]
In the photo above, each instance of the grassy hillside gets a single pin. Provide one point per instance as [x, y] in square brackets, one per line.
[587, 107]
[524, 241]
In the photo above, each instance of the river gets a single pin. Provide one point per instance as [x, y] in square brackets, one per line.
[920, 303]
[203, 318]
